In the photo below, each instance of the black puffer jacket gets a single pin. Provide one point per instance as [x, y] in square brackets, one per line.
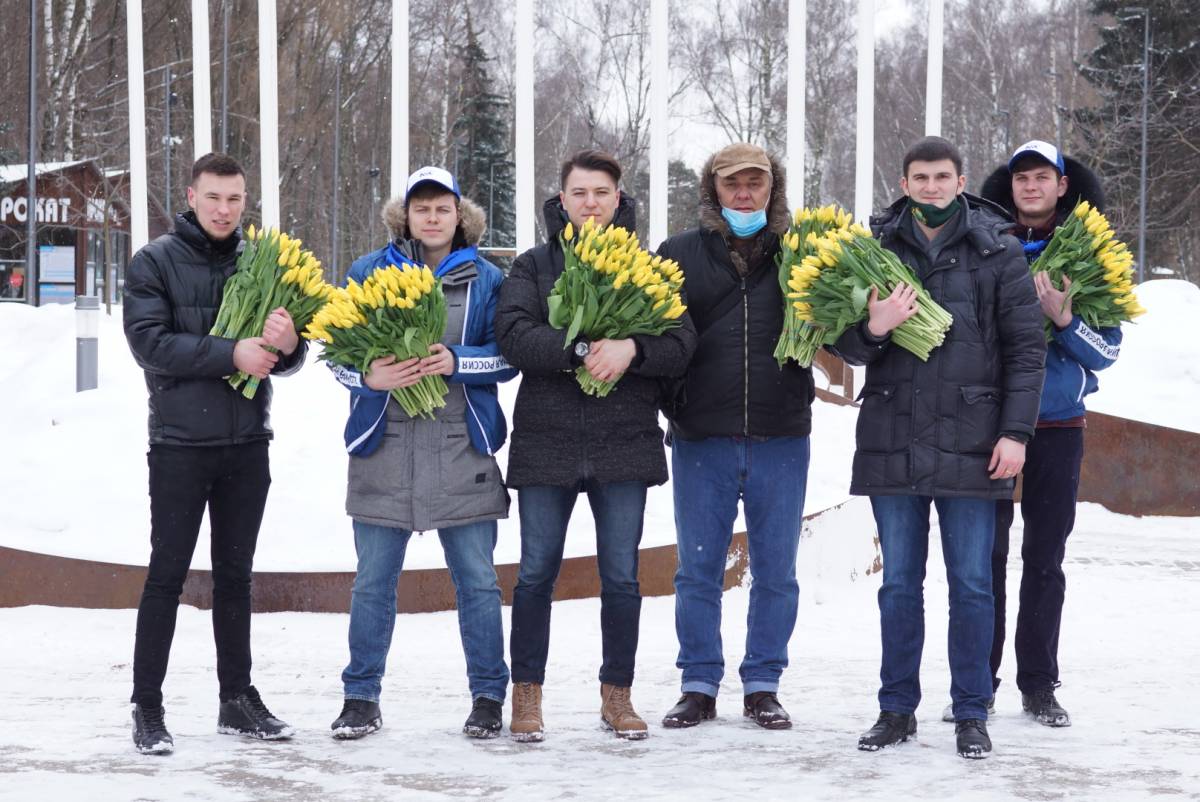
[928, 428]
[560, 435]
[734, 386]
[173, 290]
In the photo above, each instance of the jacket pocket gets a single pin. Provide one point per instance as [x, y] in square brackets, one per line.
[386, 475]
[978, 419]
[463, 470]
[876, 418]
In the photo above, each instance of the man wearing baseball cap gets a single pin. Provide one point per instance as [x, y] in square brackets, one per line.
[1040, 187]
[738, 432]
[391, 491]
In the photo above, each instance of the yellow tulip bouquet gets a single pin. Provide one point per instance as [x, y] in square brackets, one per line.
[272, 271]
[396, 311]
[799, 339]
[612, 288]
[1085, 250]
[832, 286]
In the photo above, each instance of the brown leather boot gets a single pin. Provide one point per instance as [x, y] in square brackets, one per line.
[526, 725]
[616, 710]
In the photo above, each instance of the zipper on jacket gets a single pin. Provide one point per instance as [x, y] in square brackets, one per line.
[745, 359]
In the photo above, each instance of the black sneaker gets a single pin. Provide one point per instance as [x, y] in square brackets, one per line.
[486, 719]
[972, 738]
[150, 736]
[692, 708]
[359, 717]
[764, 708]
[1045, 708]
[245, 714]
[889, 730]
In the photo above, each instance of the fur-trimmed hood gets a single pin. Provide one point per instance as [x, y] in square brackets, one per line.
[779, 216]
[1082, 184]
[472, 221]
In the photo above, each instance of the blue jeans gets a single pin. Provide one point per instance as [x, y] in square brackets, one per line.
[618, 508]
[769, 476]
[968, 528]
[468, 551]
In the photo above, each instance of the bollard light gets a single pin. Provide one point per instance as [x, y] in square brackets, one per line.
[87, 335]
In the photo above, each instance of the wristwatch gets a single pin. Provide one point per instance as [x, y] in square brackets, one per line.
[582, 348]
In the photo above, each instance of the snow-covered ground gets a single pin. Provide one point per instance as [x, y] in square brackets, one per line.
[1129, 664]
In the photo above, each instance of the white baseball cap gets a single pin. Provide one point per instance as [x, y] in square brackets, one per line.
[1036, 147]
[432, 175]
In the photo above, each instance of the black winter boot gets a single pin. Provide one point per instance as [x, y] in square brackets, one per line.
[692, 708]
[972, 738]
[150, 736]
[359, 717]
[245, 714]
[764, 708]
[486, 719]
[889, 730]
[1045, 708]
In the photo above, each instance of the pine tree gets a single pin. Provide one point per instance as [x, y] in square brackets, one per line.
[1112, 129]
[485, 170]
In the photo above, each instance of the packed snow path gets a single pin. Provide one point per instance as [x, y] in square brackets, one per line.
[1129, 660]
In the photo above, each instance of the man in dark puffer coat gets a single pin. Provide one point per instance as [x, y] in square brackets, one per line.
[950, 431]
[208, 445]
[565, 442]
[740, 432]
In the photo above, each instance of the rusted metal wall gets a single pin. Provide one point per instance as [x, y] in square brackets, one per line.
[30, 578]
[1130, 467]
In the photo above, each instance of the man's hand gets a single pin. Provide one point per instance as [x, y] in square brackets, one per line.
[439, 361]
[609, 359]
[893, 310]
[252, 357]
[1056, 304]
[1008, 457]
[279, 332]
[386, 374]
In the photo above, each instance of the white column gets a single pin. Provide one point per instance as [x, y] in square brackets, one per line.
[268, 111]
[660, 115]
[797, 54]
[933, 75]
[864, 165]
[139, 219]
[399, 175]
[201, 86]
[525, 203]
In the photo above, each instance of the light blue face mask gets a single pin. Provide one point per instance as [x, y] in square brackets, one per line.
[744, 224]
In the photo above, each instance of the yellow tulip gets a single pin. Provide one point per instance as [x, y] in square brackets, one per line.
[569, 231]
[250, 231]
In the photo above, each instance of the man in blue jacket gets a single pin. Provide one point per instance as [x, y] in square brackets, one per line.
[1040, 187]
[411, 474]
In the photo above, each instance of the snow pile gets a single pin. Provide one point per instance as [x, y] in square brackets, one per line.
[1157, 377]
[74, 478]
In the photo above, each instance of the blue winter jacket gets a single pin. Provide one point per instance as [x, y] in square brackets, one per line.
[478, 365]
[1071, 357]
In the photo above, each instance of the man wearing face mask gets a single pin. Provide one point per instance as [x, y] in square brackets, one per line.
[949, 432]
[740, 431]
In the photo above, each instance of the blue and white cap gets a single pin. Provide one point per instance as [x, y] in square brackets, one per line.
[1043, 150]
[432, 175]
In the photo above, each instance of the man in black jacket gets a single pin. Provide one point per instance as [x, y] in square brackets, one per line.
[740, 431]
[208, 446]
[950, 431]
[565, 442]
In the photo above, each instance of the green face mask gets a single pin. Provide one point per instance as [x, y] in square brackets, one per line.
[932, 216]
